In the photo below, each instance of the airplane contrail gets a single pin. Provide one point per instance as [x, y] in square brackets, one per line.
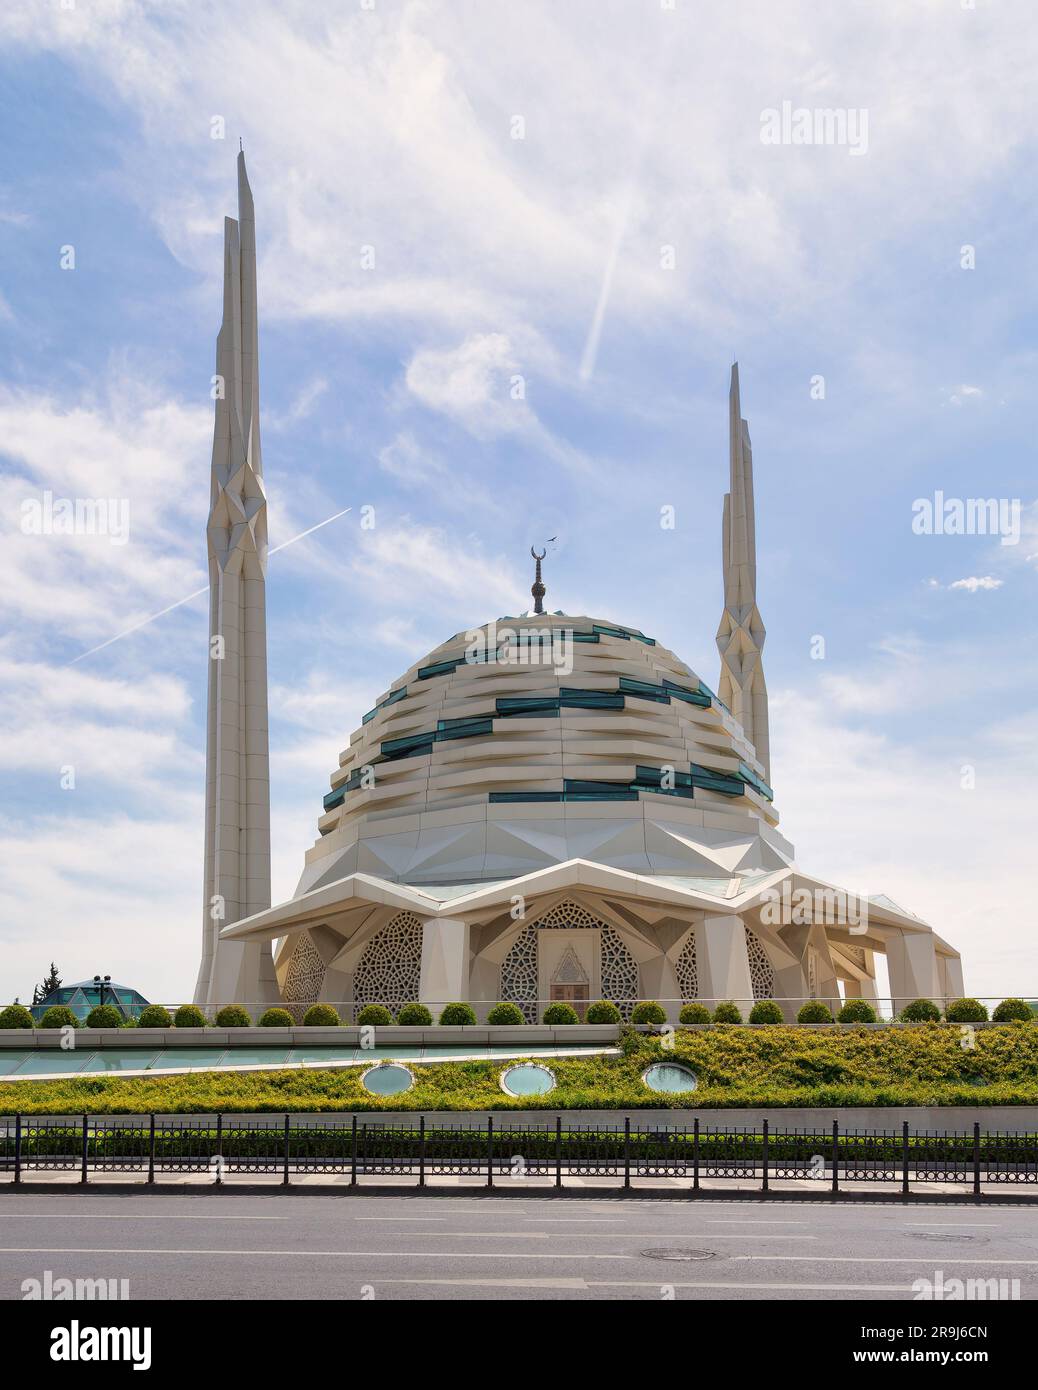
[197, 593]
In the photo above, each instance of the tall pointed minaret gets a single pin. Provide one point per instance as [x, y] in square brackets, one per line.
[740, 634]
[237, 782]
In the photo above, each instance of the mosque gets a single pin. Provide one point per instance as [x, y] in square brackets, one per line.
[547, 807]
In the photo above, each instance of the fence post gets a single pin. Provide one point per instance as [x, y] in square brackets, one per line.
[284, 1167]
[490, 1151]
[86, 1143]
[353, 1152]
[695, 1154]
[421, 1150]
[764, 1160]
[151, 1149]
[627, 1151]
[17, 1149]
[904, 1158]
[836, 1156]
[976, 1158]
[219, 1149]
[558, 1150]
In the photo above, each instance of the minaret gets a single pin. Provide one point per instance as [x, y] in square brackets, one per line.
[740, 635]
[237, 768]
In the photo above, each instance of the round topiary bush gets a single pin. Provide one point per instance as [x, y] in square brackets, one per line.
[154, 1016]
[320, 1016]
[602, 1011]
[276, 1018]
[814, 1011]
[920, 1011]
[58, 1016]
[857, 1011]
[233, 1016]
[558, 1014]
[189, 1016]
[506, 1013]
[104, 1016]
[374, 1016]
[457, 1015]
[727, 1012]
[766, 1011]
[1009, 1011]
[414, 1016]
[15, 1016]
[694, 1013]
[648, 1011]
[966, 1011]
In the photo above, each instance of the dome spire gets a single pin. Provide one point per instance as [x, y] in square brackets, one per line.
[537, 588]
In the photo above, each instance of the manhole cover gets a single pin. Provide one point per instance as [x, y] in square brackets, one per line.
[680, 1254]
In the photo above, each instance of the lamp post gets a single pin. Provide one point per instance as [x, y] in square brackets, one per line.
[100, 983]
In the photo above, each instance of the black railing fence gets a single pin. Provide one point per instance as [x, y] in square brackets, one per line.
[355, 1147]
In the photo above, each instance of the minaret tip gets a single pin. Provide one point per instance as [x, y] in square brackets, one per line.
[537, 588]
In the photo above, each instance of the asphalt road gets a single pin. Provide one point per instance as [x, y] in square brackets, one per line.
[233, 1246]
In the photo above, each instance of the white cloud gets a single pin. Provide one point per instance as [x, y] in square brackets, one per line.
[974, 582]
[410, 461]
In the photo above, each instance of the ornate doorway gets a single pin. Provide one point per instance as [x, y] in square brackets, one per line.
[570, 983]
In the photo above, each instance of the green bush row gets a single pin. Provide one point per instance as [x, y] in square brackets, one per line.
[454, 1015]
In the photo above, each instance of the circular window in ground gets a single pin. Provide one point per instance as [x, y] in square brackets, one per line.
[527, 1079]
[387, 1079]
[669, 1077]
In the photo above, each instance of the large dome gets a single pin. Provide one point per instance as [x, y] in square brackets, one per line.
[541, 739]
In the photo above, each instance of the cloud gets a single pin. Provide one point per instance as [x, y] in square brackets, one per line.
[972, 584]
[409, 461]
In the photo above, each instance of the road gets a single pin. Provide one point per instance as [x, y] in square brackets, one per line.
[237, 1246]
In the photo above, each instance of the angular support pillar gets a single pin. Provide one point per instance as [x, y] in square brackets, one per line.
[445, 960]
[722, 960]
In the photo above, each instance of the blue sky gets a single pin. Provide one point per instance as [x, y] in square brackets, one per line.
[390, 387]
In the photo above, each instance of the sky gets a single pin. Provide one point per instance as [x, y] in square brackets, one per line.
[507, 254]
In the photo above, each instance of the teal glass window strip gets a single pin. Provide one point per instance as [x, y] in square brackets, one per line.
[712, 780]
[701, 697]
[335, 798]
[392, 699]
[412, 746]
[643, 690]
[653, 776]
[439, 668]
[530, 706]
[504, 797]
[572, 698]
[467, 728]
[757, 783]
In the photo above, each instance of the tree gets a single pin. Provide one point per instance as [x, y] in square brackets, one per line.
[51, 982]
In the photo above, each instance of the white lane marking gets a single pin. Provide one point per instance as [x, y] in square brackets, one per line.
[926, 1259]
[588, 1284]
[135, 1216]
[589, 1235]
[938, 1225]
[305, 1254]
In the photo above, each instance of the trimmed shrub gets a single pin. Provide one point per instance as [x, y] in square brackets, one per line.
[560, 1013]
[457, 1015]
[104, 1016]
[189, 1016]
[506, 1012]
[320, 1016]
[1007, 1012]
[727, 1012]
[58, 1016]
[966, 1011]
[766, 1011]
[374, 1015]
[694, 1013]
[233, 1016]
[857, 1011]
[276, 1018]
[602, 1011]
[920, 1011]
[414, 1016]
[814, 1011]
[15, 1016]
[154, 1016]
[648, 1011]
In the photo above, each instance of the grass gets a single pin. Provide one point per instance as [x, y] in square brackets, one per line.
[737, 1068]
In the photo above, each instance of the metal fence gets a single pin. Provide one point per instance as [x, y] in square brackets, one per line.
[355, 1147]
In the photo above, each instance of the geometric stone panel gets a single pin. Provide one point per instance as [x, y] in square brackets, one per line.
[762, 972]
[685, 969]
[305, 974]
[389, 971]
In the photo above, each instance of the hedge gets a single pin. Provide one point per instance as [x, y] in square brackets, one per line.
[59, 1016]
[374, 1016]
[233, 1016]
[276, 1018]
[602, 1011]
[414, 1016]
[154, 1016]
[558, 1014]
[320, 1016]
[694, 1013]
[189, 1016]
[921, 1011]
[1012, 1010]
[727, 1012]
[648, 1011]
[815, 1011]
[857, 1011]
[104, 1016]
[16, 1016]
[966, 1011]
[782, 1066]
[506, 1013]
[766, 1011]
[457, 1015]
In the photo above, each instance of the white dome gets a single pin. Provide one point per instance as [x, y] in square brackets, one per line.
[541, 739]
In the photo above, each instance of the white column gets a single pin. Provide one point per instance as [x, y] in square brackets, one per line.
[912, 965]
[721, 960]
[445, 961]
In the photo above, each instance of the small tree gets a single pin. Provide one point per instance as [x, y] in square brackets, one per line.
[727, 1012]
[1013, 1010]
[857, 1011]
[694, 1013]
[51, 982]
[648, 1011]
[766, 1011]
[457, 1015]
[921, 1011]
[103, 1016]
[815, 1011]
[966, 1011]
